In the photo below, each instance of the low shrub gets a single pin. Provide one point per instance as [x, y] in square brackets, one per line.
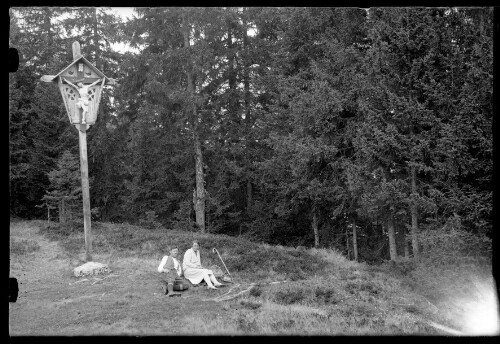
[246, 325]
[296, 275]
[255, 291]
[290, 296]
[351, 288]
[451, 241]
[150, 220]
[23, 246]
[325, 295]
[368, 288]
[56, 231]
[239, 254]
[283, 325]
[74, 244]
[250, 304]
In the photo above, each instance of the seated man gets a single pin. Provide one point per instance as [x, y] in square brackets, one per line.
[194, 271]
[171, 267]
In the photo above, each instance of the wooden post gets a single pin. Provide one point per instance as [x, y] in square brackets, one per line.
[89, 74]
[76, 50]
[82, 135]
[414, 212]
[347, 244]
[354, 239]
[393, 253]
[315, 227]
[82, 138]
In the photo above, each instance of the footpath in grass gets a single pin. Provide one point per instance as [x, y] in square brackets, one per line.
[275, 290]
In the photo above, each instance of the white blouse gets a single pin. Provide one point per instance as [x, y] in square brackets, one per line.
[191, 259]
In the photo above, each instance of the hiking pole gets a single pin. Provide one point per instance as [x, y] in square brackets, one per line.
[215, 250]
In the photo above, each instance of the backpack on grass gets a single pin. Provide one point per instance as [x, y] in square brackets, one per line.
[181, 284]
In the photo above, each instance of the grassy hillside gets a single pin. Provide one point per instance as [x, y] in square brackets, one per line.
[283, 290]
[244, 259]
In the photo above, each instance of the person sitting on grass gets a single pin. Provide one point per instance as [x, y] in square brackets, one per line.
[172, 268]
[194, 271]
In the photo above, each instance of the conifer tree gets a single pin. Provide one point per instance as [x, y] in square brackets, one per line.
[65, 188]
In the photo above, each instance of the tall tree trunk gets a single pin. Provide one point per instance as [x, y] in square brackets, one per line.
[347, 243]
[48, 214]
[246, 67]
[392, 239]
[233, 96]
[62, 212]
[246, 85]
[315, 227]
[354, 240]
[413, 207]
[402, 242]
[95, 39]
[198, 156]
[200, 184]
[249, 194]
[48, 27]
[413, 210]
[406, 245]
[49, 36]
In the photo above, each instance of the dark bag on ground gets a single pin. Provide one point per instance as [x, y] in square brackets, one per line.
[181, 284]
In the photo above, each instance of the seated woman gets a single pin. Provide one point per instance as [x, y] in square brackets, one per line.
[194, 271]
[171, 267]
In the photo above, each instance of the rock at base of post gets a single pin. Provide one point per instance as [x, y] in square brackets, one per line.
[91, 268]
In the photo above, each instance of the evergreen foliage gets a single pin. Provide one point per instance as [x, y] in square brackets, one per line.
[64, 192]
[299, 122]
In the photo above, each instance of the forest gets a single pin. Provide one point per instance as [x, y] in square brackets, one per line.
[364, 130]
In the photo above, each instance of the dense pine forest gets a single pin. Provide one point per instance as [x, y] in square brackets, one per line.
[364, 130]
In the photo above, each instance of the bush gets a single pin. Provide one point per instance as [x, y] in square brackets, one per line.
[182, 219]
[283, 325]
[370, 288]
[150, 220]
[351, 288]
[289, 296]
[246, 325]
[23, 246]
[56, 231]
[255, 291]
[250, 304]
[325, 295]
[445, 244]
[238, 254]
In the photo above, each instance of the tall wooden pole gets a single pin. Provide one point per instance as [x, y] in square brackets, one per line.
[82, 136]
[354, 239]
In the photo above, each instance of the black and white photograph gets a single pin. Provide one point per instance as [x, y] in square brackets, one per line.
[251, 171]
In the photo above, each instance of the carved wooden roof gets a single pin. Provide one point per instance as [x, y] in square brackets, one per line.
[53, 78]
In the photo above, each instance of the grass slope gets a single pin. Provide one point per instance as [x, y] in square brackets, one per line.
[320, 292]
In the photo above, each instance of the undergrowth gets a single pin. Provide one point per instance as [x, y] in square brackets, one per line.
[325, 293]
[241, 256]
[23, 246]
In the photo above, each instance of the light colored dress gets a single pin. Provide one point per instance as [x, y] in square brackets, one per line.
[191, 264]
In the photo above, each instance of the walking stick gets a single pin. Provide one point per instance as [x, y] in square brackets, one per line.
[215, 250]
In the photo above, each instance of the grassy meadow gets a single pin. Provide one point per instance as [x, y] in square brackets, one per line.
[282, 290]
